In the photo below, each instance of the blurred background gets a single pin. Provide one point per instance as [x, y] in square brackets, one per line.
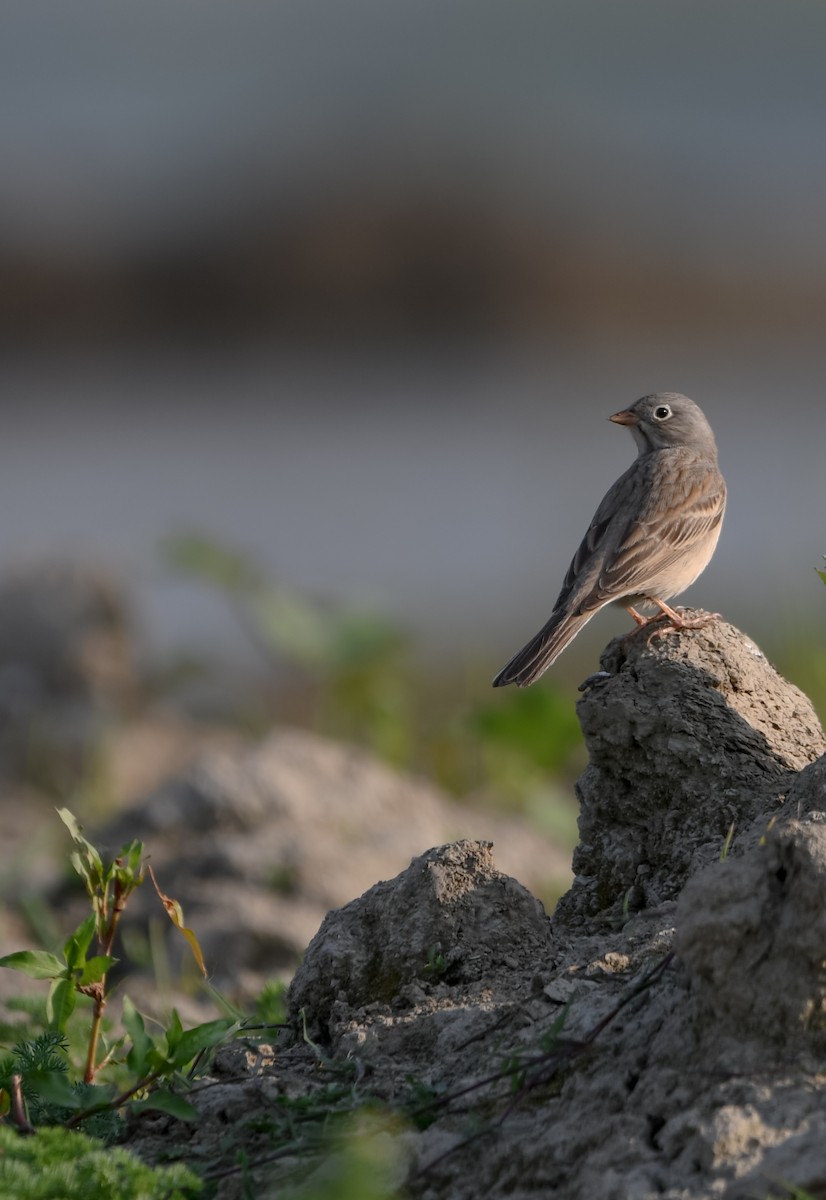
[312, 316]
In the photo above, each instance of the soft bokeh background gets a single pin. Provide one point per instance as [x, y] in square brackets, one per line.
[353, 287]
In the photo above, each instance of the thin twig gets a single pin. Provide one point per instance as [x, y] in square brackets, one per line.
[17, 1109]
[115, 1104]
[106, 941]
[546, 1065]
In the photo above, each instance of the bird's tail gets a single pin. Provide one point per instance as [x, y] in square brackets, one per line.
[543, 649]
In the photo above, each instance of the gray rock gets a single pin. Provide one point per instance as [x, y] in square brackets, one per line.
[64, 636]
[751, 933]
[66, 663]
[689, 736]
[680, 1076]
[450, 918]
[258, 844]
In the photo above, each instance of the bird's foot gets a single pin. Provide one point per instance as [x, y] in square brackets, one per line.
[667, 620]
[678, 620]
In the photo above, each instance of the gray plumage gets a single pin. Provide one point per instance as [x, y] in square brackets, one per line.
[653, 534]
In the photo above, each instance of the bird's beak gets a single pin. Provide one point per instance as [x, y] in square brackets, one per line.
[625, 417]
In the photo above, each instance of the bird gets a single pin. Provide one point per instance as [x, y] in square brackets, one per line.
[653, 534]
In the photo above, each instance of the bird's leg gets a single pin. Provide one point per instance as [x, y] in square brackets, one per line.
[637, 617]
[666, 619]
[677, 620]
[641, 622]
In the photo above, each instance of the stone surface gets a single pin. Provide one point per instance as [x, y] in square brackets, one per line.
[258, 844]
[64, 636]
[450, 918]
[66, 662]
[751, 934]
[665, 1049]
[687, 736]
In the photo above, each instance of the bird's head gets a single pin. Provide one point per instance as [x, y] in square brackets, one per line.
[667, 419]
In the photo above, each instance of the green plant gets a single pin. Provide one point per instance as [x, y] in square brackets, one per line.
[361, 1162]
[270, 1007]
[59, 1165]
[538, 724]
[356, 658]
[333, 1141]
[38, 1080]
[350, 673]
[724, 853]
[527, 737]
[436, 965]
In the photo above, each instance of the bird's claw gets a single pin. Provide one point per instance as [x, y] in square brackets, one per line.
[699, 622]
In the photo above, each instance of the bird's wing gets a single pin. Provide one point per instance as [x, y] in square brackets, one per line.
[652, 517]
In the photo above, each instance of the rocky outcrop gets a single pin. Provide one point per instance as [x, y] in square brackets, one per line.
[691, 740]
[751, 933]
[661, 1035]
[258, 844]
[66, 662]
[450, 918]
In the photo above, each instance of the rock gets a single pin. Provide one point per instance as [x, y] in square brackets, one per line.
[686, 737]
[751, 933]
[66, 662]
[451, 918]
[807, 795]
[64, 636]
[609, 1058]
[258, 844]
[798, 1158]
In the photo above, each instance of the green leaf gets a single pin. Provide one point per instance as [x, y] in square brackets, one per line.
[86, 860]
[128, 869]
[822, 575]
[96, 968]
[538, 724]
[158, 1063]
[361, 638]
[80, 864]
[204, 558]
[60, 1003]
[294, 628]
[226, 1006]
[78, 944]
[174, 1030]
[168, 1102]
[175, 913]
[54, 1087]
[142, 1044]
[201, 1037]
[39, 964]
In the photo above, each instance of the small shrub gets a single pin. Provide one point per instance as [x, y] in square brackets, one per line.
[56, 1164]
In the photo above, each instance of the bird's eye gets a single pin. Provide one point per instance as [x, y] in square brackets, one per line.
[662, 412]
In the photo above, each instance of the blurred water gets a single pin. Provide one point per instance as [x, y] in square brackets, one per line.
[635, 191]
[450, 493]
[693, 127]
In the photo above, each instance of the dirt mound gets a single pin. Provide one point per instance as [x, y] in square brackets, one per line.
[687, 737]
[451, 917]
[661, 1036]
[258, 844]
